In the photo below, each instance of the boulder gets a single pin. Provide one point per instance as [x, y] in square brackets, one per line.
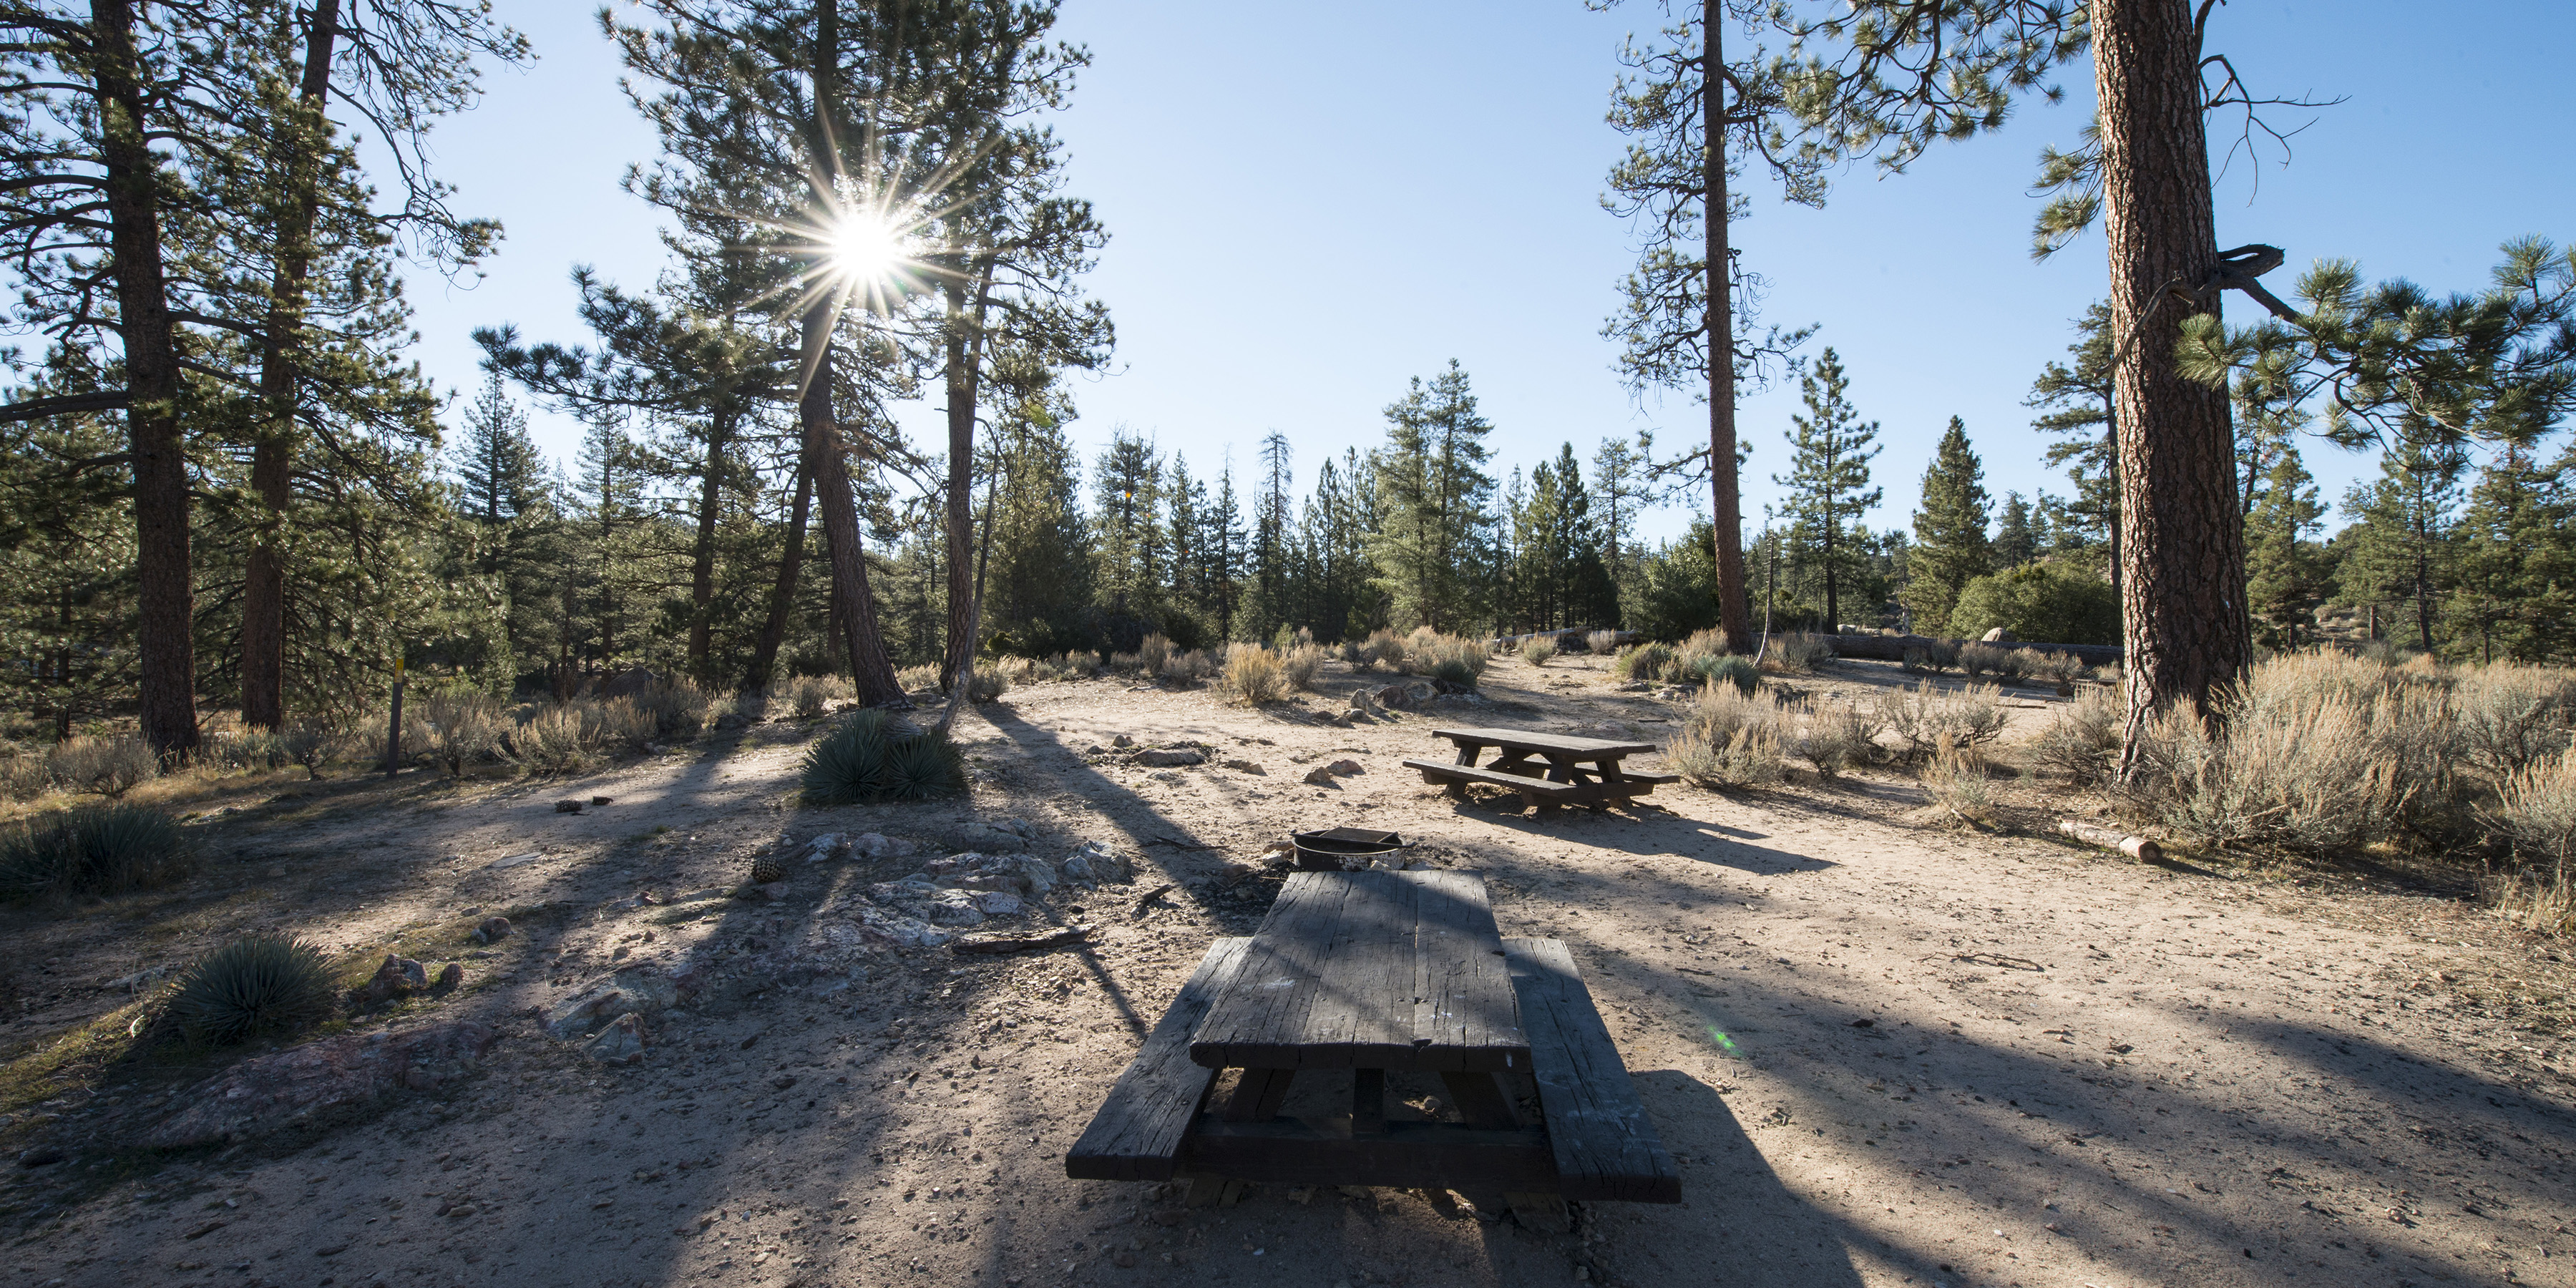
[2000, 635]
[644, 990]
[1320, 776]
[492, 931]
[1170, 757]
[1343, 768]
[398, 977]
[319, 1079]
[1246, 767]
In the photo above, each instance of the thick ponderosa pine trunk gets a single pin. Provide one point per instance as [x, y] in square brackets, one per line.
[263, 634]
[166, 651]
[1726, 508]
[2182, 546]
[870, 670]
[782, 597]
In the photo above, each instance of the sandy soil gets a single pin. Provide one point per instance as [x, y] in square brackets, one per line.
[1885, 1051]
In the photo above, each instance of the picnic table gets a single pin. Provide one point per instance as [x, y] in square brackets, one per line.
[1354, 975]
[1546, 769]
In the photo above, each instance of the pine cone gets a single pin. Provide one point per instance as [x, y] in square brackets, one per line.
[765, 870]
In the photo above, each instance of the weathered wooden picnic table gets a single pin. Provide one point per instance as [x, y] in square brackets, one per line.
[1355, 975]
[1546, 769]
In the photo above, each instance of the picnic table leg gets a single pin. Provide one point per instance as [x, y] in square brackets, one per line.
[1467, 752]
[1258, 1095]
[1368, 1102]
[1480, 1100]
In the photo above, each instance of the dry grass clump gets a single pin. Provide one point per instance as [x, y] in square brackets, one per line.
[1928, 718]
[2321, 752]
[1539, 652]
[110, 767]
[1253, 675]
[1427, 652]
[22, 776]
[923, 678]
[1798, 652]
[1935, 657]
[1192, 667]
[1836, 737]
[812, 695]
[1602, 643]
[1955, 778]
[2536, 811]
[1730, 738]
[678, 707]
[2084, 741]
[1978, 659]
[553, 738]
[461, 729]
[2512, 717]
[1153, 653]
[1300, 664]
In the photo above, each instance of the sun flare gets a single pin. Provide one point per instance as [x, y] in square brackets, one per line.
[867, 247]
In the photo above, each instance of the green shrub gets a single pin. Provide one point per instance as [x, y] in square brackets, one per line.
[2537, 809]
[1153, 653]
[1646, 662]
[871, 757]
[1933, 656]
[462, 729]
[2043, 602]
[2084, 739]
[812, 695]
[1800, 652]
[1836, 738]
[1729, 739]
[257, 984]
[1539, 652]
[1720, 668]
[1602, 643]
[92, 850]
[1301, 663]
[1978, 659]
[678, 708]
[1928, 718]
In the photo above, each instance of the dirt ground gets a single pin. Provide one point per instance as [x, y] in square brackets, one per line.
[1884, 1050]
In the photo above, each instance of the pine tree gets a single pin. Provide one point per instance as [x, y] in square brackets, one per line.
[1224, 546]
[1828, 480]
[2397, 551]
[1273, 539]
[1950, 544]
[1620, 494]
[2514, 560]
[2076, 402]
[1127, 487]
[1041, 567]
[2017, 538]
[1431, 548]
[2284, 569]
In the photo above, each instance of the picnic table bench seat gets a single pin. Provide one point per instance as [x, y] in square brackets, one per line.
[1137, 1134]
[1435, 771]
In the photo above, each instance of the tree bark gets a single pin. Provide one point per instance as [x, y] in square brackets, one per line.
[166, 651]
[782, 597]
[961, 355]
[2182, 549]
[870, 670]
[702, 565]
[1726, 509]
[263, 634]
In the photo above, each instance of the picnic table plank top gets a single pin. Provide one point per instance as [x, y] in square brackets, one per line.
[1371, 970]
[1531, 740]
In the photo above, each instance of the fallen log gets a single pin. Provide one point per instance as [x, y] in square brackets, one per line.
[1018, 941]
[1891, 648]
[2109, 838]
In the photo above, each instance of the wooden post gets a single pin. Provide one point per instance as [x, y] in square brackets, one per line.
[393, 725]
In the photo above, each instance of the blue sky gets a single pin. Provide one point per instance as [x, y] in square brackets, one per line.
[1309, 204]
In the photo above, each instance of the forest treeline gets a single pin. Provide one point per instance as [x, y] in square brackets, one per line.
[225, 484]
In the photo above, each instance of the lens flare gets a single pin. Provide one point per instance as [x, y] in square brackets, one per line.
[867, 248]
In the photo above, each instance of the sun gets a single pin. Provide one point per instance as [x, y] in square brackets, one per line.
[867, 248]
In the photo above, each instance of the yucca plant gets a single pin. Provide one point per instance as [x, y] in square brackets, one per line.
[256, 984]
[871, 757]
[923, 767]
[94, 850]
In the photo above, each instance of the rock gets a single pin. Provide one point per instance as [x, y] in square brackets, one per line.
[628, 683]
[492, 931]
[1019, 942]
[733, 720]
[1095, 864]
[1246, 767]
[1394, 697]
[2000, 635]
[306, 1083]
[954, 908]
[1343, 768]
[1122, 740]
[40, 1156]
[1002, 837]
[871, 845]
[567, 807]
[1320, 776]
[397, 977]
[644, 990]
[1170, 757]
[1632, 686]
[998, 903]
[1363, 698]
[622, 1042]
[886, 928]
[449, 976]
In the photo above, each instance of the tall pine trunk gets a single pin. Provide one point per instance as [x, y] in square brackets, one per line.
[870, 669]
[2182, 549]
[1726, 509]
[702, 562]
[263, 633]
[782, 597]
[961, 362]
[166, 651]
